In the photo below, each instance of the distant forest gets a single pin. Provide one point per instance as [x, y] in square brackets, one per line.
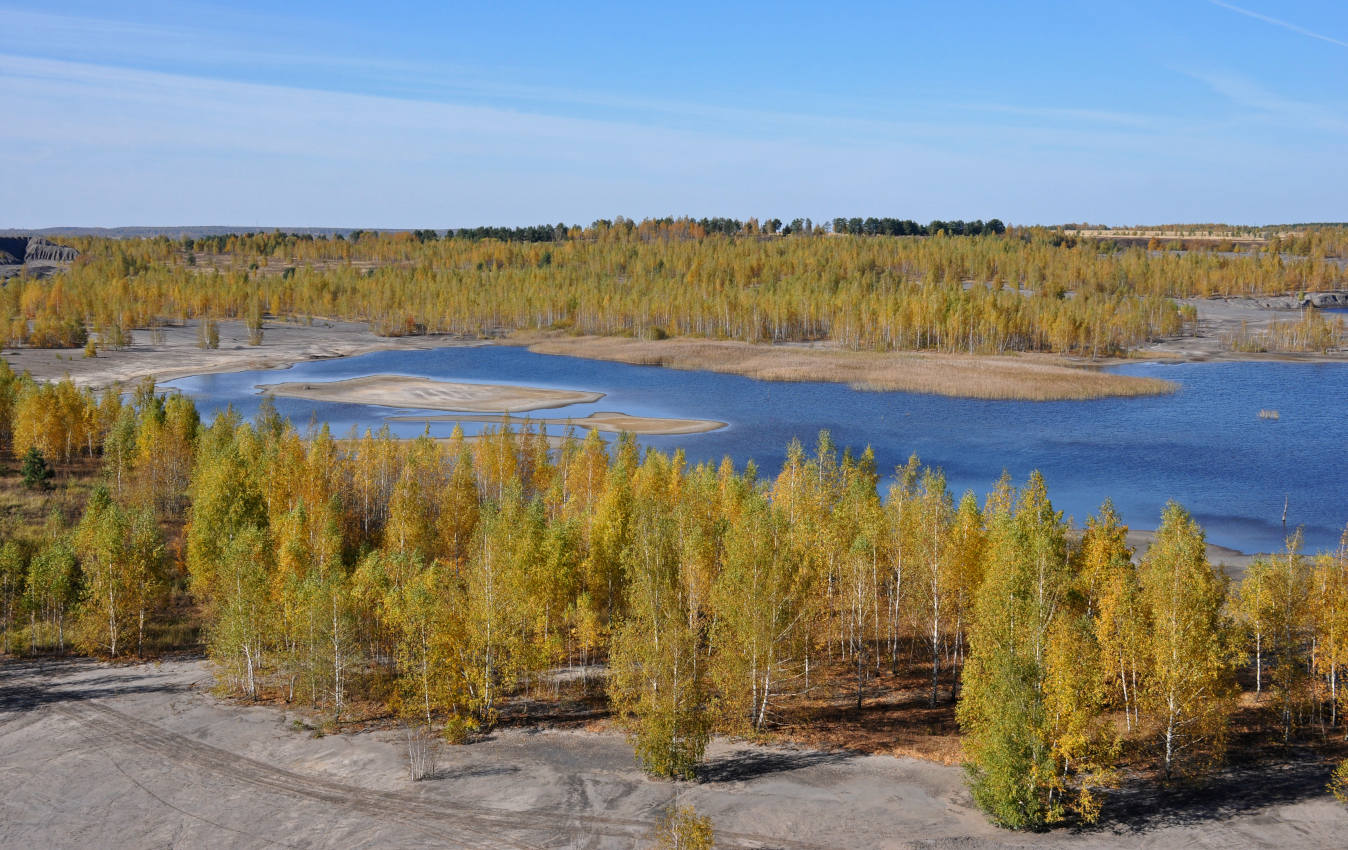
[968, 287]
[869, 226]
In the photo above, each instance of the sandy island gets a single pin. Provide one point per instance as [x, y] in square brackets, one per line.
[610, 421]
[403, 391]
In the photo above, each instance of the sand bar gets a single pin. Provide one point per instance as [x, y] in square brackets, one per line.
[403, 391]
[610, 421]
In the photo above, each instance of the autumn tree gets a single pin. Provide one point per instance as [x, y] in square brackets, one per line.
[756, 648]
[121, 555]
[1329, 613]
[1009, 731]
[13, 572]
[53, 584]
[657, 683]
[1190, 684]
[1110, 584]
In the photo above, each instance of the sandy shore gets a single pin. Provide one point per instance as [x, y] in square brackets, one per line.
[403, 391]
[612, 422]
[1025, 377]
[176, 354]
[143, 755]
[1234, 561]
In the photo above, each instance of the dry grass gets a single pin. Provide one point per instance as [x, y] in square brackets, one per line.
[24, 512]
[1025, 377]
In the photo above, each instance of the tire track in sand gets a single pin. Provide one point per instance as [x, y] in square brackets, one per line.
[459, 824]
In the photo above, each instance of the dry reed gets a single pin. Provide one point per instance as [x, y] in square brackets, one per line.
[1026, 377]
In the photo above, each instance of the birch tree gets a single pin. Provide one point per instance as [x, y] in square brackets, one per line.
[1190, 686]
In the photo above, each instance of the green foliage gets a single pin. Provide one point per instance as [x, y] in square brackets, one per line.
[1010, 768]
[34, 469]
[1011, 734]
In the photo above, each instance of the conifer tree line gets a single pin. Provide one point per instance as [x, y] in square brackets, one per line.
[1023, 290]
[443, 580]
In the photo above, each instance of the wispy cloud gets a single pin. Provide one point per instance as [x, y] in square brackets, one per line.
[1278, 22]
[1285, 111]
[224, 54]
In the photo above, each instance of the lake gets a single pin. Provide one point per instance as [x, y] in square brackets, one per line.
[1204, 446]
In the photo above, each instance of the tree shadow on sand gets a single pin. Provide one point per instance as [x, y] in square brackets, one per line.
[1142, 807]
[744, 765]
[28, 685]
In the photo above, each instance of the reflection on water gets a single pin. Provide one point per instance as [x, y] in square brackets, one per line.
[1205, 446]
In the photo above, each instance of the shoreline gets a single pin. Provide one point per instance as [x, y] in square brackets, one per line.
[171, 352]
[1236, 561]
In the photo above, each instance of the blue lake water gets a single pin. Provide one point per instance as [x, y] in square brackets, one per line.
[1204, 446]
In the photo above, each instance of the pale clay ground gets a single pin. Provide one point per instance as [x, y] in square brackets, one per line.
[142, 755]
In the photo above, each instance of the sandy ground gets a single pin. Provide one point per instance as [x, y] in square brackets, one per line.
[402, 391]
[143, 756]
[178, 356]
[598, 421]
[1218, 317]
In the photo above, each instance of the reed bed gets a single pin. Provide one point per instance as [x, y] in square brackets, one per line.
[1009, 377]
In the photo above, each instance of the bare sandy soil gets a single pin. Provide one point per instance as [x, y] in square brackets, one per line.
[177, 354]
[402, 391]
[135, 756]
[1219, 317]
[599, 421]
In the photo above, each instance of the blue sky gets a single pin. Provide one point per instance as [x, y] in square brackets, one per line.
[404, 114]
